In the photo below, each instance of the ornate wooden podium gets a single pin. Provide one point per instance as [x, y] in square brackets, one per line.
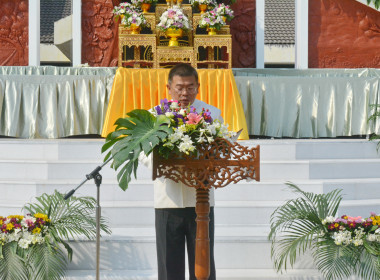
[217, 165]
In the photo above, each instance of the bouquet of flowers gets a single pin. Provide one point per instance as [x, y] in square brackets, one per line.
[123, 10]
[355, 231]
[129, 14]
[137, 3]
[167, 127]
[190, 128]
[341, 247]
[32, 246]
[174, 18]
[25, 231]
[212, 19]
[224, 11]
[209, 3]
[135, 17]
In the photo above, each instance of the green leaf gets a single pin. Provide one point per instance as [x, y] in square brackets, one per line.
[12, 266]
[294, 226]
[47, 261]
[139, 132]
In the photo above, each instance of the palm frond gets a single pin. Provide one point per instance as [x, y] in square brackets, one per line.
[139, 132]
[369, 266]
[12, 266]
[70, 218]
[294, 226]
[47, 262]
[335, 262]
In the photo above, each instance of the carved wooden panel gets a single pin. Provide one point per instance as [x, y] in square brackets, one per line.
[218, 164]
[13, 32]
[99, 33]
[343, 34]
[243, 34]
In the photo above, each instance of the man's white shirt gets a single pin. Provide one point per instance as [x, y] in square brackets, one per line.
[169, 194]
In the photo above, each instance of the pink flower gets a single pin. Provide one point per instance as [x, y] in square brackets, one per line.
[193, 118]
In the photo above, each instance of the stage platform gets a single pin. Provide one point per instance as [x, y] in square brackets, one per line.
[29, 168]
[55, 102]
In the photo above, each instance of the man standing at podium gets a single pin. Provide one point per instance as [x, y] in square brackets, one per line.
[175, 202]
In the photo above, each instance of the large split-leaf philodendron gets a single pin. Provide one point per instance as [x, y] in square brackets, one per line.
[139, 132]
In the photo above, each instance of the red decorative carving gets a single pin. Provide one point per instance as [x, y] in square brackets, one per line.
[99, 33]
[343, 34]
[14, 33]
[243, 34]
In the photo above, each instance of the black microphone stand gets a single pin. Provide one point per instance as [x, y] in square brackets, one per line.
[98, 180]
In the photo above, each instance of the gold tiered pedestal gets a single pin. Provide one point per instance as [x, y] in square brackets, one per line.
[165, 53]
[136, 41]
[169, 56]
[210, 43]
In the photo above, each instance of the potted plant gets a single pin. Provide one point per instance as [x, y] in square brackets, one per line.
[340, 246]
[203, 5]
[173, 22]
[212, 20]
[32, 245]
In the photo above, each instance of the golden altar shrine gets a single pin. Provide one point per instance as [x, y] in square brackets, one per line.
[151, 50]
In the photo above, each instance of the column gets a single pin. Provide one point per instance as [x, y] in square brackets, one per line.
[302, 34]
[77, 32]
[34, 33]
[260, 17]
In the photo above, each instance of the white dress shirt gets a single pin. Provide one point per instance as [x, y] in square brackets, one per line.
[169, 194]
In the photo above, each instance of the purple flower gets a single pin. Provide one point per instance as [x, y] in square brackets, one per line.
[158, 110]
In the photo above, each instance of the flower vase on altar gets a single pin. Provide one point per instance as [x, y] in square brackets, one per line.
[211, 30]
[174, 23]
[202, 8]
[174, 34]
[145, 7]
[212, 21]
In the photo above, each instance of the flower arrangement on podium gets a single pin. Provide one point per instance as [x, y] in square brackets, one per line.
[225, 11]
[212, 21]
[31, 246]
[130, 16]
[203, 5]
[167, 128]
[340, 246]
[174, 22]
[144, 4]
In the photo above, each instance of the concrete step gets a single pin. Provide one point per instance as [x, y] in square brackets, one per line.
[278, 149]
[63, 169]
[222, 274]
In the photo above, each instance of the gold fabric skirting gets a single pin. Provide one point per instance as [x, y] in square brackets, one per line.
[144, 88]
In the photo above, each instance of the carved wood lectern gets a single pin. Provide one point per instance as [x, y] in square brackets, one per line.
[217, 165]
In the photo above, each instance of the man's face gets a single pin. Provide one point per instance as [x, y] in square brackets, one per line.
[183, 89]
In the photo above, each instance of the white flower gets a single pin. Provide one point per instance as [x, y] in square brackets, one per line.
[24, 243]
[182, 128]
[182, 112]
[169, 114]
[371, 237]
[201, 139]
[174, 105]
[329, 219]
[175, 136]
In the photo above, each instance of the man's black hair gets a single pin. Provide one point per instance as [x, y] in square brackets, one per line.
[182, 70]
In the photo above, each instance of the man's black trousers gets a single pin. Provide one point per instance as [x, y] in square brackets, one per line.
[176, 227]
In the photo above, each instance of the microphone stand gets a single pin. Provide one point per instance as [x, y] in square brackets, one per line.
[98, 180]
